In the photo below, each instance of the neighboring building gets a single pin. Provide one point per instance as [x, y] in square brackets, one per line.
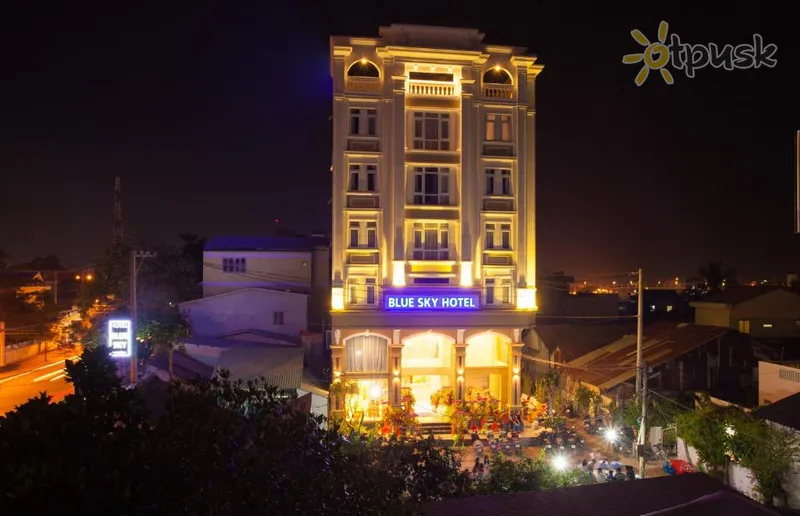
[247, 309]
[763, 312]
[662, 304]
[279, 265]
[434, 241]
[679, 356]
[546, 346]
[248, 356]
[777, 381]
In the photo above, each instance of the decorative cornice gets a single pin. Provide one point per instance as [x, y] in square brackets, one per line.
[342, 52]
[431, 54]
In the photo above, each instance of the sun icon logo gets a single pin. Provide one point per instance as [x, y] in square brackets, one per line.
[655, 55]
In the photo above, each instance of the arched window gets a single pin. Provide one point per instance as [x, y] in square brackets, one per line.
[487, 350]
[366, 354]
[363, 68]
[497, 75]
[427, 350]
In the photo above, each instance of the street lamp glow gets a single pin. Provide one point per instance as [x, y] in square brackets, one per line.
[560, 463]
[611, 435]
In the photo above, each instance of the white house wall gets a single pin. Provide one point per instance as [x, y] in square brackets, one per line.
[248, 309]
[264, 269]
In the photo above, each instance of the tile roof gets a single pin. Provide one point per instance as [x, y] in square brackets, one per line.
[281, 366]
[616, 363]
[738, 295]
[575, 340]
[610, 499]
[785, 412]
[253, 243]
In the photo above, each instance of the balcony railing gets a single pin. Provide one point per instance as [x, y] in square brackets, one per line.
[363, 84]
[430, 89]
[499, 91]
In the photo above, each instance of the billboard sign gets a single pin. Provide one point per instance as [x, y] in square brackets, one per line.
[120, 337]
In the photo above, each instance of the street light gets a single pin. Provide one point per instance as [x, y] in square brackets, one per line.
[560, 463]
[611, 435]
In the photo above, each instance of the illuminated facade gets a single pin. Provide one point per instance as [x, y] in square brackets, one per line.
[434, 249]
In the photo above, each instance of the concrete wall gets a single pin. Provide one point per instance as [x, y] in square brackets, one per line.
[248, 309]
[776, 381]
[21, 351]
[279, 270]
[711, 314]
[741, 479]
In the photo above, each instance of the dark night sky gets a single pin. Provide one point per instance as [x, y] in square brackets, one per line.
[217, 121]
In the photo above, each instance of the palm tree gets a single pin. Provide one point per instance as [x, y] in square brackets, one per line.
[716, 276]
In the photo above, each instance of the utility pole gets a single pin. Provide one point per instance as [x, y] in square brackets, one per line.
[643, 424]
[55, 288]
[639, 335]
[137, 257]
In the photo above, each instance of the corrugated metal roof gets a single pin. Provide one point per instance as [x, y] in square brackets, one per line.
[255, 243]
[616, 363]
[576, 340]
[281, 366]
[609, 499]
[785, 412]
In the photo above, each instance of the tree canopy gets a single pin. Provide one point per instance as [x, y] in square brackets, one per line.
[217, 446]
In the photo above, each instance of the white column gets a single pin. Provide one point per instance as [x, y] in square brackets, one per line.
[340, 125]
[398, 158]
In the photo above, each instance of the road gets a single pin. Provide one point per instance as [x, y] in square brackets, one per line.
[26, 379]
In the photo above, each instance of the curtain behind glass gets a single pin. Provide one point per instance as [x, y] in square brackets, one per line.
[367, 354]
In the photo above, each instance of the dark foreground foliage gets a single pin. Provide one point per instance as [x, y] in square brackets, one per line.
[216, 447]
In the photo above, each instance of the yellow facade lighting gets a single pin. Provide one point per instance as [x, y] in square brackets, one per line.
[399, 273]
[337, 298]
[466, 274]
[526, 299]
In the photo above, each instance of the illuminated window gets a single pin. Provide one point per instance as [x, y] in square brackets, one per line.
[498, 127]
[363, 122]
[366, 354]
[487, 350]
[362, 291]
[505, 182]
[362, 178]
[431, 241]
[498, 291]
[431, 131]
[363, 235]
[363, 68]
[488, 237]
[744, 326]
[496, 75]
[505, 236]
[431, 186]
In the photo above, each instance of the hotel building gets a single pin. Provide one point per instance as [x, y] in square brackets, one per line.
[434, 249]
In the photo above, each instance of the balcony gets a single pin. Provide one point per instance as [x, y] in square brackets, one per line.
[498, 91]
[430, 89]
[357, 84]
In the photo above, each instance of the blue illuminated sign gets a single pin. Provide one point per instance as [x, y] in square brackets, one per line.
[451, 301]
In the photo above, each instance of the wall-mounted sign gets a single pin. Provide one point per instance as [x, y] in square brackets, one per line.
[432, 301]
[120, 337]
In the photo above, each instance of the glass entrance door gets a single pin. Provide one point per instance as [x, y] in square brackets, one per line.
[422, 387]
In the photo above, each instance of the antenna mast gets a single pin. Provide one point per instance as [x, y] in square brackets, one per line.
[118, 235]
